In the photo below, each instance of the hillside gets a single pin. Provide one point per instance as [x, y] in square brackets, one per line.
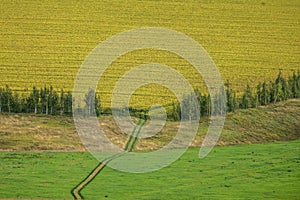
[27, 132]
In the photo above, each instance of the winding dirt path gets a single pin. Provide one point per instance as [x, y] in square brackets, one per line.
[128, 148]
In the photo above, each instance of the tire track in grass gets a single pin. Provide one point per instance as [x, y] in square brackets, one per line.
[134, 137]
[131, 143]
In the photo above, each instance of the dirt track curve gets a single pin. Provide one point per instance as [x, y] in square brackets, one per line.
[128, 148]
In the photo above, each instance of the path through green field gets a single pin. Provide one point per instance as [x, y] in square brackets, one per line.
[76, 191]
[247, 172]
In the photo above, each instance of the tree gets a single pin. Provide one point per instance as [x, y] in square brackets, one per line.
[198, 97]
[294, 86]
[92, 103]
[189, 105]
[286, 93]
[23, 103]
[273, 92]
[247, 99]
[54, 105]
[34, 99]
[279, 89]
[204, 102]
[298, 85]
[16, 105]
[97, 105]
[258, 97]
[68, 101]
[208, 100]
[265, 95]
[231, 101]
[52, 102]
[62, 102]
[219, 103]
[44, 100]
[235, 102]
[175, 115]
[7, 99]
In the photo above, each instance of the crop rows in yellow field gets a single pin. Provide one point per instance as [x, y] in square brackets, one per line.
[46, 42]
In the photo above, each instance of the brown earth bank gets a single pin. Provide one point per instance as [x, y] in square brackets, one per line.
[28, 132]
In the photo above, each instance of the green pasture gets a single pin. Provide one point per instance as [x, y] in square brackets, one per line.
[259, 171]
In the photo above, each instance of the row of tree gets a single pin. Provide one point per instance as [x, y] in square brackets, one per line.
[46, 100]
[263, 94]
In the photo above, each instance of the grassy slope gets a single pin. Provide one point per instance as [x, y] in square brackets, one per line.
[258, 171]
[22, 132]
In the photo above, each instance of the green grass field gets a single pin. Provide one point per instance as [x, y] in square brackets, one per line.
[260, 171]
[46, 42]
